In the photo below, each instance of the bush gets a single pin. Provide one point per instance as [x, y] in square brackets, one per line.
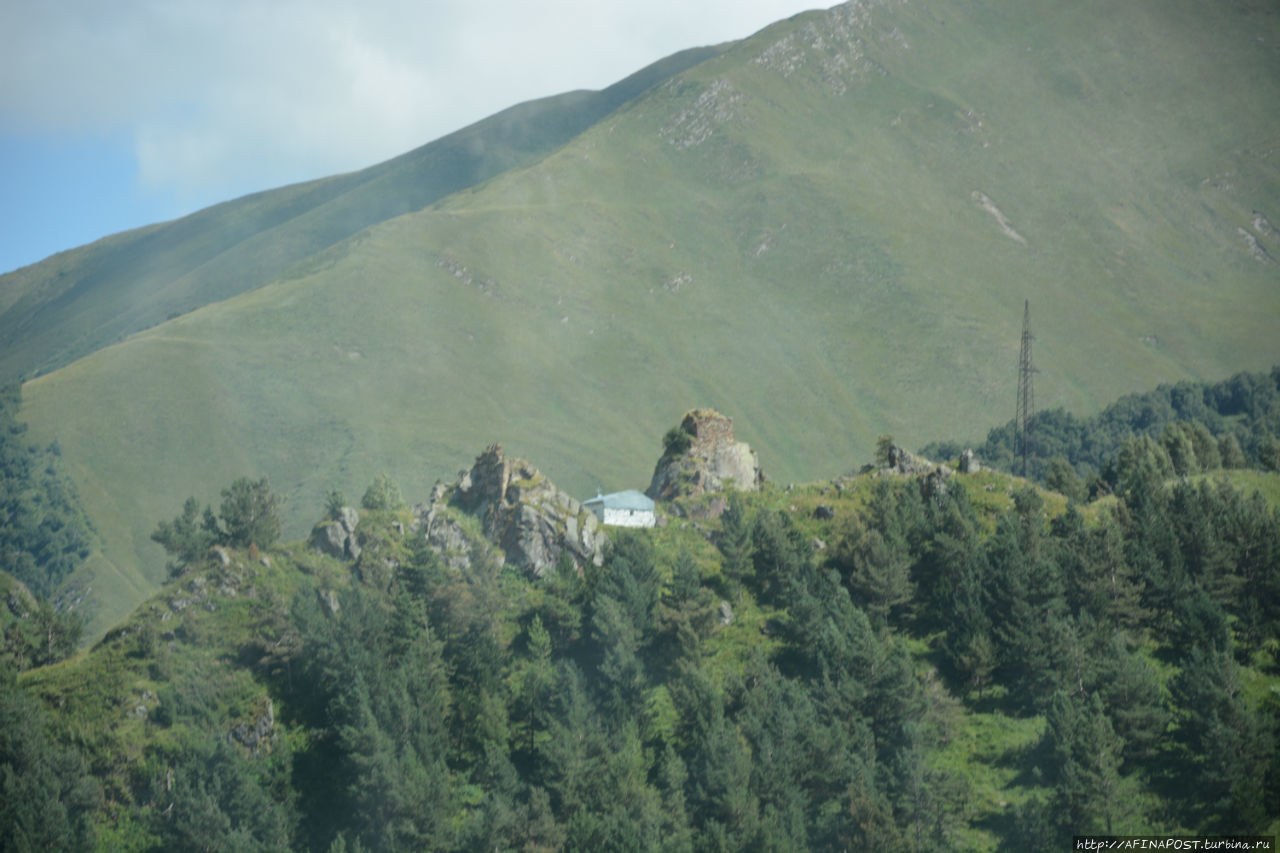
[382, 494]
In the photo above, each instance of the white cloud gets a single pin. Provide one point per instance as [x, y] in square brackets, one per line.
[229, 96]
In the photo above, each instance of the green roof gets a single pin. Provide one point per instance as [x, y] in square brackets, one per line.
[629, 499]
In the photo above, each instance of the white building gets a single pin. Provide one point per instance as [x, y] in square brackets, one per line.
[622, 509]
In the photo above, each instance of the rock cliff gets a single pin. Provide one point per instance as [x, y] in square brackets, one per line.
[526, 515]
[702, 456]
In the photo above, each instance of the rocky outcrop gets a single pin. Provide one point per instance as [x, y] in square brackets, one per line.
[524, 514]
[256, 732]
[932, 477]
[337, 537]
[905, 463]
[702, 456]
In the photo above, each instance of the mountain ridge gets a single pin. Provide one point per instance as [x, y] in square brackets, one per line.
[240, 244]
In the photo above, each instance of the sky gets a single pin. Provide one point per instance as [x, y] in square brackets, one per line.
[118, 114]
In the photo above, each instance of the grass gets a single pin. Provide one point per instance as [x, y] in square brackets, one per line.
[1264, 483]
[814, 266]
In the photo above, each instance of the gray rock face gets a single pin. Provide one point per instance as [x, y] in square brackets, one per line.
[934, 484]
[338, 538]
[525, 515]
[329, 602]
[903, 462]
[726, 612]
[328, 537]
[255, 733]
[969, 462]
[712, 461]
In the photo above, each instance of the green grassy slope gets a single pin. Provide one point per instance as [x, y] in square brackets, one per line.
[827, 232]
[79, 301]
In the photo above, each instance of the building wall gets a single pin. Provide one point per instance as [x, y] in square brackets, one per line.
[628, 517]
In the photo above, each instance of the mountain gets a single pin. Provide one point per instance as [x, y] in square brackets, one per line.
[828, 228]
[79, 301]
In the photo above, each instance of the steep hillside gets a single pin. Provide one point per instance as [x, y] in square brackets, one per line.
[902, 659]
[828, 228]
[79, 301]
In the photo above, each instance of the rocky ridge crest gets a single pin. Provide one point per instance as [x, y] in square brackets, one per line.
[526, 515]
[703, 456]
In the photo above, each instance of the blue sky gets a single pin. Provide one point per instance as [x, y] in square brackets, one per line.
[116, 115]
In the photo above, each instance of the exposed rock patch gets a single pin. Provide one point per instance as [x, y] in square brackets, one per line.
[834, 47]
[702, 456]
[1003, 221]
[255, 733]
[337, 537]
[715, 105]
[524, 514]
[932, 477]
[1256, 251]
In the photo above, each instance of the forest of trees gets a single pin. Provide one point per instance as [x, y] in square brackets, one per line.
[1230, 424]
[739, 687]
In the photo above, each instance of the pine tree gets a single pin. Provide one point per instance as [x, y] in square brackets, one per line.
[250, 514]
[734, 542]
[47, 797]
[879, 576]
[1085, 755]
[1225, 748]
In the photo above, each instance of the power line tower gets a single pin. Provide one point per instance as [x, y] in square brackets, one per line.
[1026, 394]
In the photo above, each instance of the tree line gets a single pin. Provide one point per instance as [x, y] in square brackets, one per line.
[604, 708]
[1202, 426]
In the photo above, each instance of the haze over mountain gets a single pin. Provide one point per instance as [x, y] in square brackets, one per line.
[826, 230]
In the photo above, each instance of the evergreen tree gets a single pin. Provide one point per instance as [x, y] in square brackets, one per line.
[878, 574]
[47, 797]
[188, 538]
[571, 759]
[218, 802]
[779, 554]
[1085, 755]
[1225, 749]
[1024, 589]
[1097, 577]
[1136, 702]
[734, 542]
[623, 620]
[536, 685]
[250, 514]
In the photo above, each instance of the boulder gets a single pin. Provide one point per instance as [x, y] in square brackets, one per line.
[328, 537]
[726, 612]
[702, 456]
[337, 537]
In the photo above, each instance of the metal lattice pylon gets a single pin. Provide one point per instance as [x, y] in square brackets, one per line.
[1026, 394]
